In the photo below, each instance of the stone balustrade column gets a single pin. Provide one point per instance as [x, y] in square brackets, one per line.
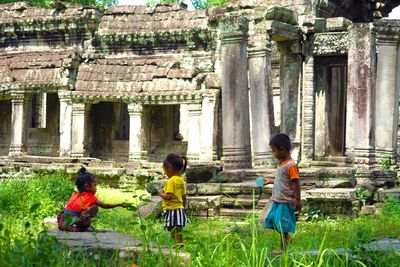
[18, 124]
[79, 127]
[308, 114]
[262, 112]
[65, 123]
[194, 125]
[208, 126]
[387, 97]
[136, 133]
[236, 148]
[360, 114]
[290, 88]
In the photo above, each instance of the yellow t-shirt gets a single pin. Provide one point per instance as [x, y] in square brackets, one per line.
[177, 186]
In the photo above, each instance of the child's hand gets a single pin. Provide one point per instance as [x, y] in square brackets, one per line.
[161, 192]
[268, 181]
[123, 204]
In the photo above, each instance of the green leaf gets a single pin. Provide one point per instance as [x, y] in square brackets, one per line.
[143, 227]
[1, 226]
[34, 207]
[131, 207]
[27, 224]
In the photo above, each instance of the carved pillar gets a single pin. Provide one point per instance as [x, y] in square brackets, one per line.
[79, 127]
[360, 115]
[194, 124]
[290, 76]
[387, 97]
[262, 112]
[308, 114]
[65, 123]
[136, 133]
[235, 97]
[208, 126]
[18, 124]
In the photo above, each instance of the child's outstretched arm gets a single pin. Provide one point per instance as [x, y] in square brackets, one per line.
[109, 206]
[268, 181]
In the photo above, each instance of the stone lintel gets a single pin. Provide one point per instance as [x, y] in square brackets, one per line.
[387, 28]
[280, 31]
[145, 99]
[338, 24]
[281, 14]
[331, 43]
[233, 25]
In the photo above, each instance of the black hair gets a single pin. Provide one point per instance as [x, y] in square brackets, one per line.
[83, 178]
[281, 140]
[176, 162]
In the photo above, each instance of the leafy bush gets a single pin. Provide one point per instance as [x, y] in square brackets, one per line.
[49, 191]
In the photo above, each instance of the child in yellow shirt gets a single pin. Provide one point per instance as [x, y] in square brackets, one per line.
[174, 196]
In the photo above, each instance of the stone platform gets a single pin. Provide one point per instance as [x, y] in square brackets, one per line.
[123, 244]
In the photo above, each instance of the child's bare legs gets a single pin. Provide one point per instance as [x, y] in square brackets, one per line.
[177, 236]
[284, 241]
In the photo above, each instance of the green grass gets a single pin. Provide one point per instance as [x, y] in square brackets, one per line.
[211, 242]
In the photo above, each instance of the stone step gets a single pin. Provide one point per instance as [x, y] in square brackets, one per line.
[331, 194]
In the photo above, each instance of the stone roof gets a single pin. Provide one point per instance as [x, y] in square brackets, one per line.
[135, 75]
[29, 69]
[24, 12]
[133, 19]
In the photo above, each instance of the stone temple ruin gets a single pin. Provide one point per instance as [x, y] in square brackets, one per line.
[121, 88]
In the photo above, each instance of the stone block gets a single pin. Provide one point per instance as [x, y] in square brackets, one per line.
[209, 188]
[191, 189]
[235, 212]
[231, 188]
[368, 210]
[201, 173]
[388, 194]
[281, 14]
[233, 176]
[338, 24]
[336, 178]
[331, 194]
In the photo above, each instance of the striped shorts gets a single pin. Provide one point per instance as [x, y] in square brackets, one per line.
[175, 218]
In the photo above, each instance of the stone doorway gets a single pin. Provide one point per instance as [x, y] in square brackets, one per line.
[108, 131]
[331, 89]
[161, 130]
[5, 126]
[43, 125]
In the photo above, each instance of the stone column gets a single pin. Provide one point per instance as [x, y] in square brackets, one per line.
[194, 125]
[387, 97]
[79, 127]
[262, 112]
[360, 114]
[18, 124]
[65, 123]
[208, 126]
[290, 76]
[308, 115]
[136, 133]
[235, 96]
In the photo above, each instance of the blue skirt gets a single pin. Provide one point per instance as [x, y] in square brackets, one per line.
[281, 218]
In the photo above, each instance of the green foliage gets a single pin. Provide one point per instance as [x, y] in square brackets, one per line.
[44, 195]
[386, 162]
[47, 3]
[213, 242]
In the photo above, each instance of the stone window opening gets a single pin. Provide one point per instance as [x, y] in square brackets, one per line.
[38, 111]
